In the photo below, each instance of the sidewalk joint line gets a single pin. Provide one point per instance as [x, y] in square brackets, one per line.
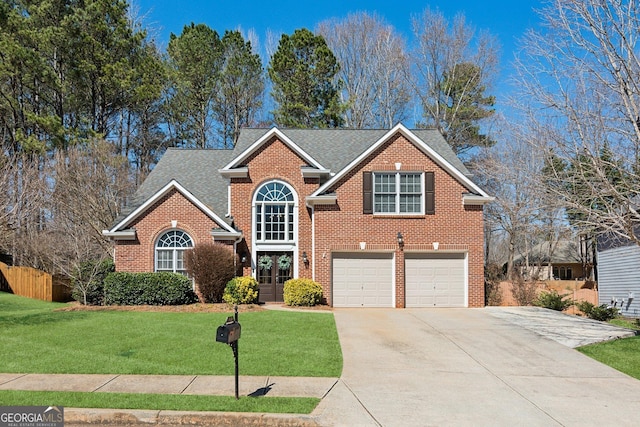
[108, 382]
[188, 385]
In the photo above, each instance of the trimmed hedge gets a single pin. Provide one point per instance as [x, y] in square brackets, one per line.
[241, 290]
[302, 292]
[148, 289]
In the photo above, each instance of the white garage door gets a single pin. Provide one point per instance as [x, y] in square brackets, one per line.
[363, 280]
[435, 280]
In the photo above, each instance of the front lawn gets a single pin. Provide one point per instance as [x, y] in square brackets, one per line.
[37, 339]
[622, 354]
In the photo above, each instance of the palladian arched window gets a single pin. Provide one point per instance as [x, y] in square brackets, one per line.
[274, 213]
[170, 251]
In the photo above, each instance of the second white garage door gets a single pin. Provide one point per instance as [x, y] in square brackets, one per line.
[362, 280]
[435, 280]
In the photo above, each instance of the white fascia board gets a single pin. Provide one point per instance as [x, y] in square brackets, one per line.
[309, 172]
[274, 131]
[151, 200]
[226, 235]
[120, 235]
[326, 199]
[464, 180]
[241, 172]
[473, 199]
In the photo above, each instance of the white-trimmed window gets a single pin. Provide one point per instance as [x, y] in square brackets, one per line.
[274, 213]
[170, 251]
[398, 193]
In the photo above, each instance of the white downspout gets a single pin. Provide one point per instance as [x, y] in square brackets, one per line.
[313, 243]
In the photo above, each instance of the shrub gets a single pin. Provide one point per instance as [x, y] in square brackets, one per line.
[597, 312]
[211, 265]
[87, 283]
[523, 291]
[148, 289]
[553, 301]
[302, 292]
[241, 290]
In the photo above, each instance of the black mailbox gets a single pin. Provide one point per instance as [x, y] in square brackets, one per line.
[228, 333]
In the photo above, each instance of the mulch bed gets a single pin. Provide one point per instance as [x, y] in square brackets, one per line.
[190, 308]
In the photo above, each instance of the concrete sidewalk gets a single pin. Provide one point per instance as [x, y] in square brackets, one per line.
[208, 385]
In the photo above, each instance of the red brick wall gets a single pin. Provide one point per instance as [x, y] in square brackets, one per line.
[338, 227]
[138, 255]
[274, 161]
[455, 227]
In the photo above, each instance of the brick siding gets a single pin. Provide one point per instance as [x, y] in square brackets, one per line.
[337, 227]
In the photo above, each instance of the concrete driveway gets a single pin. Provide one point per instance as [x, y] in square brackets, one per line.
[471, 367]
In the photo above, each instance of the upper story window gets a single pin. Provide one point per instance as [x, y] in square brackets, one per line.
[397, 193]
[170, 251]
[274, 213]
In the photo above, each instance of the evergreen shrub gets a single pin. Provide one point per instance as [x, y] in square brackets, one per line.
[302, 292]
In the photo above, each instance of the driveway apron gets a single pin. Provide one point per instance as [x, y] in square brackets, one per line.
[442, 367]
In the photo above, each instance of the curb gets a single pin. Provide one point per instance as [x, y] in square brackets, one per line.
[117, 417]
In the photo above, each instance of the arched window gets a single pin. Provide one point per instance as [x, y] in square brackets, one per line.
[274, 213]
[170, 251]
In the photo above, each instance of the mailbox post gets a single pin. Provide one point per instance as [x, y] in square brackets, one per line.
[229, 333]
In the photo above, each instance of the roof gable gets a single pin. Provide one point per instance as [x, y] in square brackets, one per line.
[240, 158]
[172, 185]
[439, 159]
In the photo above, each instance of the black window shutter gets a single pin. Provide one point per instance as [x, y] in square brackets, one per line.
[430, 194]
[367, 192]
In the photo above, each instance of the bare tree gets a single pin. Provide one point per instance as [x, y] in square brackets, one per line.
[452, 68]
[373, 68]
[523, 215]
[23, 194]
[580, 102]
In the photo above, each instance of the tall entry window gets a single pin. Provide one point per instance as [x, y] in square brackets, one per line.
[274, 213]
[170, 251]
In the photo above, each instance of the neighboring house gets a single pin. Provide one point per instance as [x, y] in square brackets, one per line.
[380, 218]
[619, 275]
[561, 260]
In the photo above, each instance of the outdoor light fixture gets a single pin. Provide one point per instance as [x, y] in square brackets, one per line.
[243, 257]
[400, 240]
[305, 258]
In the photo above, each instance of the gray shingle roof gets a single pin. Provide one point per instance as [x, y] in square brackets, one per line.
[197, 169]
[336, 148]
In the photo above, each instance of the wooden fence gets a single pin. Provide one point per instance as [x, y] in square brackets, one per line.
[32, 283]
[572, 288]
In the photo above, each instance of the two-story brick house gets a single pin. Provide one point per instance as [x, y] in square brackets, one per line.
[380, 218]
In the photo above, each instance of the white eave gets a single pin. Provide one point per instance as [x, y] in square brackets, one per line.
[129, 234]
[226, 235]
[425, 148]
[238, 160]
[241, 172]
[120, 227]
[325, 199]
[311, 172]
[474, 199]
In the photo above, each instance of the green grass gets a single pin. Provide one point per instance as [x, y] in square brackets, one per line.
[170, 402]
[37, 339]
[625, 323]
[622, 354]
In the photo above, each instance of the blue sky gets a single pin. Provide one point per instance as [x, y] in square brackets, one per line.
[506, 19]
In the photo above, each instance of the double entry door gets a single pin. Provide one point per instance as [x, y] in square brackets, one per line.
[274, 268]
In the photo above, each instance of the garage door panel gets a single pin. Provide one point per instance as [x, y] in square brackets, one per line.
[362, 280]
[435, 280]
